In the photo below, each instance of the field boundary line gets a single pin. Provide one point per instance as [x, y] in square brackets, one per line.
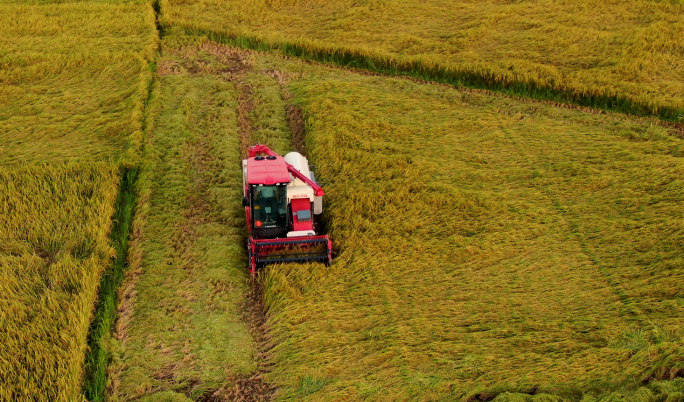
[97, 358]
[110, 318]
[123, 300]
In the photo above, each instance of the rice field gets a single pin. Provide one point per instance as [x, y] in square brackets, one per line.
[485, 248]
[66, 27]
[616, 55]
[74, 83]
[54, 245]
[64, 107]
[74, 80]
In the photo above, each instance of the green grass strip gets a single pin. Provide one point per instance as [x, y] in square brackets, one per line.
[350, 58]
[98, 356]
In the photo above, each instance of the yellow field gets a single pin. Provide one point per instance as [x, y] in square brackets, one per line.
[57, 107]
[54, 245]
[485, 246]
[74, 78]
[624, 55]
[77, 27]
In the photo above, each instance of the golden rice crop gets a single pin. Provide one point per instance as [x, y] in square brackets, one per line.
[74, 78]
[78, 27]
[623, 55]
[485, 247]
[54, 246]
[55, 107]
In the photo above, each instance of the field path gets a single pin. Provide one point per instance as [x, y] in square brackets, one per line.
[186, 336]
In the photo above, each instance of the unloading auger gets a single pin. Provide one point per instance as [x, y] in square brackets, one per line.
[283, 204]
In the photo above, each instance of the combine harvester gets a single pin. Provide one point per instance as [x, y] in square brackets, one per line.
[283, 204]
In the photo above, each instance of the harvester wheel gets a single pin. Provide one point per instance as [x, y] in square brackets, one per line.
[250, 268]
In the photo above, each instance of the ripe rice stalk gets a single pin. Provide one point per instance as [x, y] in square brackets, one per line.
[74, 82]
[54, 245]
[78, 27]
[56, 106]
[74, 79]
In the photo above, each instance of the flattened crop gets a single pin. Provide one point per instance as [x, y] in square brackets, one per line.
[624, 56]
[484, 246]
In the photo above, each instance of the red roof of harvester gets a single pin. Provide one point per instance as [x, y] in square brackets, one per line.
[267, 171]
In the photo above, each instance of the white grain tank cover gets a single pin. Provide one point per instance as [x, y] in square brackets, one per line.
[244, 176]
[299, 189]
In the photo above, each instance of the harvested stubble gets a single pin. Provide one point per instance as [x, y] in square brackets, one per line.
[54, 246]
[485, 246]
[181, 332]
[268, 113]
[625, 56]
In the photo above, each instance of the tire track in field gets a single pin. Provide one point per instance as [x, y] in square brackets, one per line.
[249, 388]
[200, 158]
[234, 67]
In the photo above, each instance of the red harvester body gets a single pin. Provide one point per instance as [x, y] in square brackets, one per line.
[283, 204]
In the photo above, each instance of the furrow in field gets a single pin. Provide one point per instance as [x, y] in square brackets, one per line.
[210, 107]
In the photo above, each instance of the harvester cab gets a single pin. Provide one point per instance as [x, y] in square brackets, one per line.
[283, 205]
